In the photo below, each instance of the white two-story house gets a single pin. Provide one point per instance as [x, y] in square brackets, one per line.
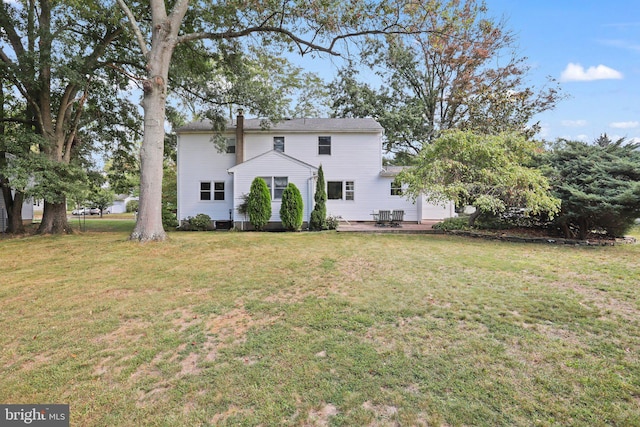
[213, 179]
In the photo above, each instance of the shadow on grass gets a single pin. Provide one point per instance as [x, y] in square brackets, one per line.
[102, 225]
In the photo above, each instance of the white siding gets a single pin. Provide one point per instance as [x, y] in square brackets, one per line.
[269, 165]
[355, 156]
[199, 161]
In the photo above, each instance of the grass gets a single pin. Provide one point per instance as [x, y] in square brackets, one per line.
[319, 329]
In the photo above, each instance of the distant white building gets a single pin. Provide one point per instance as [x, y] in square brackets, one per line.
[120, 203]
[213, 182]
[27, 213]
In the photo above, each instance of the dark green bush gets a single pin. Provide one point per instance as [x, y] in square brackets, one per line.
[201, 222]
[455, 223]
[599, 185]
[318, 218]
[292, 208]
[132, 206]
[259, 204]
[169, 218]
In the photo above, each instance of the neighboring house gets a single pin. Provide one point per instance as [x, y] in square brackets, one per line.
[120, 203]
[213, 181]
[27, 213]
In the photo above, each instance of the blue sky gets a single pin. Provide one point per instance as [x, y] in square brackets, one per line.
[591, 47]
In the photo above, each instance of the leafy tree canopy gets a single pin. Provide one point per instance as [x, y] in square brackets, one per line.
[489, 172]
[462, 71]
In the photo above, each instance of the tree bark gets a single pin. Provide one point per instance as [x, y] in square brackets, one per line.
[473, 217]
[13, 205]
[149, 222]
[54, 219]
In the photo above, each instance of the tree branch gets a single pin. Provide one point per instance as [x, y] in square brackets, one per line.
[310, 45]
[134, 27]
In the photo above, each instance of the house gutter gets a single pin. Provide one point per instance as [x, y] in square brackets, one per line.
[240, 137]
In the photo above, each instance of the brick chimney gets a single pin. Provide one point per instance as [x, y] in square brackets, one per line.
[240, 137]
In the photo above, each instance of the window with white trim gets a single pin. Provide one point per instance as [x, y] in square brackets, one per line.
[341, 190]
[218, 191]
[231, 145]
[396, 188]
[205, 190]
[276, 185]
[278, 143]
[324, 145]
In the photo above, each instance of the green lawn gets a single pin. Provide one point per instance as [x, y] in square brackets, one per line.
[298, 329]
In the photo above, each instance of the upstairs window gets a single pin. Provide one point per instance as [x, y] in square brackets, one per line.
[396, 188]
[278, 143]
[231, 145]
[205, 190]
[324, 145]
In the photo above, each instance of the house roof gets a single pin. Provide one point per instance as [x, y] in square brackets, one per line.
[273, 153]
[293, 125]
[392, 170]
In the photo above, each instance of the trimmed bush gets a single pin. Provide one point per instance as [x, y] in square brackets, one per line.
[169, 219]
[132, 206]
[292, 208]
[318, 218]
[259, 204]
[455, 223]
[200, 222]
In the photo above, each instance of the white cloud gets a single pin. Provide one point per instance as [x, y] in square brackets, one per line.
[582, 137]
[574, 123]
[577, 73]
[624, 125]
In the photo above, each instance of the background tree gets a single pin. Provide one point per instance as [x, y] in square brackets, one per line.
[101, 198]
[14, 155]
[259, 204]
[292, 208]
[489, 172]
[319, 214]
[61, 57]
[462, 71]
[599, 185]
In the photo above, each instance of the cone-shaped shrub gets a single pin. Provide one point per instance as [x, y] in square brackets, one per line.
[319, 213]
[291, 209]
[259, 204]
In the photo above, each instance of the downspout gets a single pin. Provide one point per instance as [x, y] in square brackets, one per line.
[240, 137]
[311, 195]
[178, 192]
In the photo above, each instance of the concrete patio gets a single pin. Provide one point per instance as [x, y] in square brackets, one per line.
[405, 228]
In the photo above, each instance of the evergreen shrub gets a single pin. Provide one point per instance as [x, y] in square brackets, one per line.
[292, 208]
[259, 204]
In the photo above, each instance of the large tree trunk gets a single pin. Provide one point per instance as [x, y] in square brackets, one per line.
[54, 219]
[13, 205]
[149, 223]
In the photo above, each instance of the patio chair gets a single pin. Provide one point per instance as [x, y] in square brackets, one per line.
[384, 218]
[397, 216]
